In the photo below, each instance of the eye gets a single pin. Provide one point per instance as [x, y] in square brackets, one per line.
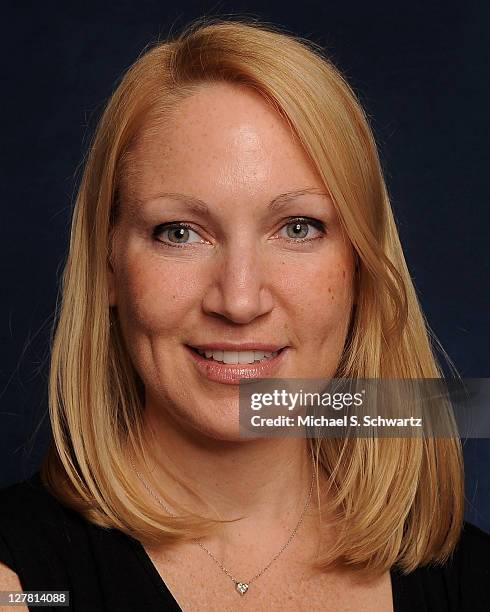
[303, 228]
[175, 234]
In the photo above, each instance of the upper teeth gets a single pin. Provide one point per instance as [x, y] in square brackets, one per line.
[237, 356]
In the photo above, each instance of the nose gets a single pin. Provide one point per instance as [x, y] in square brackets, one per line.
[240, 286]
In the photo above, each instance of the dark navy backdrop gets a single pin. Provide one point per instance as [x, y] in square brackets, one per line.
[421, 71]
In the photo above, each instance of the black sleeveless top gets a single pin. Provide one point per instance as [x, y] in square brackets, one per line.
[53, 548]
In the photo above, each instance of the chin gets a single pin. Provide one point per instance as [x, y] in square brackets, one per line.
[220, 425]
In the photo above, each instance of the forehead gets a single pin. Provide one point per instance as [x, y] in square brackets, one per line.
[221, 139]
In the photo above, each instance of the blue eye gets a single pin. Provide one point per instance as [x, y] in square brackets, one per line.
[176, 233]
[299, 228]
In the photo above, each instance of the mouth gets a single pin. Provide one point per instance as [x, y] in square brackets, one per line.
[236, 357]
[232, 366]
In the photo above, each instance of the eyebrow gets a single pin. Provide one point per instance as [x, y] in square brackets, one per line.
[200, 207]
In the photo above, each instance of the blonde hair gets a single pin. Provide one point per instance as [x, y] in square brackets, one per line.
[392, 501]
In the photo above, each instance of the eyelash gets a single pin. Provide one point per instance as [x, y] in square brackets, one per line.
[319, 225]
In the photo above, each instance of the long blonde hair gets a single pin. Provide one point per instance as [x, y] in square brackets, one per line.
[393, 501]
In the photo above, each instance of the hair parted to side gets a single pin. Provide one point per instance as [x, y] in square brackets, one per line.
[392, 501]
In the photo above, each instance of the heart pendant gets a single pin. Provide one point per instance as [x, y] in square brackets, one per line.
[241, 587]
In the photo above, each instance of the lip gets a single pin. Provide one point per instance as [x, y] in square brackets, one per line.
[242, 346]
[230, 373]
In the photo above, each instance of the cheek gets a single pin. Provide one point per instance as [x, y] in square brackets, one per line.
[322, 314]
[322, 298]
[155, 295]
[319, 314]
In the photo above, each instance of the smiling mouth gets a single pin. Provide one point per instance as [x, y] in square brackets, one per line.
[236, 357]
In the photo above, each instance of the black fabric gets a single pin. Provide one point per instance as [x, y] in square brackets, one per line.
[53, 548]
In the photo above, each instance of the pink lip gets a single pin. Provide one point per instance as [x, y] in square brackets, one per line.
[242, 346]
[229, 373]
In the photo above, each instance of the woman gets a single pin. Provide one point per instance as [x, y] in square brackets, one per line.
[232, 223]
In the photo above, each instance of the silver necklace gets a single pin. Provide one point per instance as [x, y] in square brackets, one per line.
[240, 586]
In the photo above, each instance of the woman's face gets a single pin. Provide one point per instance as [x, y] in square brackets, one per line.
[227, 242]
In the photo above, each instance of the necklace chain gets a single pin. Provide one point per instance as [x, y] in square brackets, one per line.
[240, 586]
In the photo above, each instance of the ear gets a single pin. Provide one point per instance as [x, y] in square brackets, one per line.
[111, 267]
[357, 278]
[111, 284]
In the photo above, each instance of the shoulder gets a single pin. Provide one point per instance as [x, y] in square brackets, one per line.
[51, 547]
[471, 559]
[467, 572]
[469, 564]
[461, 583]
[17, 497]
[28, 506]
[474, 542]
[37, 533]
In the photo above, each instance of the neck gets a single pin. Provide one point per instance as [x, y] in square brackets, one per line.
[261, 480]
